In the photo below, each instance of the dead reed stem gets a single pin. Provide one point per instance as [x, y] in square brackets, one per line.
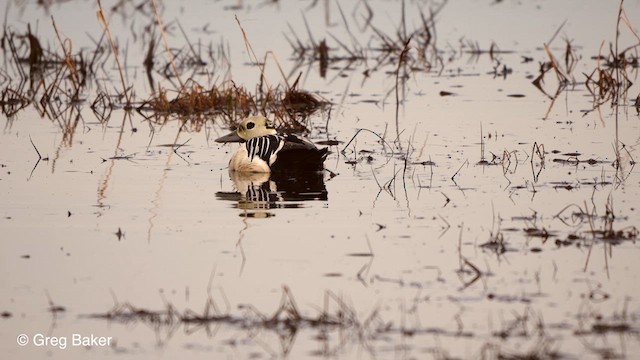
[68, 60]
[384, 143]
[404, 52]
[166, 44]
[562, 79]
[105, 25]
[247, 44]
[284, 77]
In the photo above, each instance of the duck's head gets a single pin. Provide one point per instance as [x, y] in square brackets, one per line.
[249, 128]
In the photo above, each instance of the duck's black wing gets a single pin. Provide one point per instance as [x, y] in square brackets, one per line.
[299, 154]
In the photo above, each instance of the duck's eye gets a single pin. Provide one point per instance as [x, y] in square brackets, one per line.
[250, 125]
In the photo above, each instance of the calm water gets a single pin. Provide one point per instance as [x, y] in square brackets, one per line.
[436, 253]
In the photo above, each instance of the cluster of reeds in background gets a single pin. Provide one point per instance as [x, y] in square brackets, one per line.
[58, 81]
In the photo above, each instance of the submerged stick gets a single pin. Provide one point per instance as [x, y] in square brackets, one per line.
[466, 162]
[593, 236]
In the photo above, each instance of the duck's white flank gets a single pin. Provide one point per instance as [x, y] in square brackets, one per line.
[257, 155]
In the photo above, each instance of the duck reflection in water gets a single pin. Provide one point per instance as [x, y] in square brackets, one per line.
[263, 191]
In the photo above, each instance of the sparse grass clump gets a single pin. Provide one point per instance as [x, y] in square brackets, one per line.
[231, 103]
[286, 315]
[383, 48]
[50, 79]
[12, 101]
[285, 321]
[610, 80]
[600, 227]
[228, 99]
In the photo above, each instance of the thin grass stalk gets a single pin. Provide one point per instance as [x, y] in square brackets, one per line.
[166, 44]
[403, 54]
[253, 54]
[105, 25]
[68, 60]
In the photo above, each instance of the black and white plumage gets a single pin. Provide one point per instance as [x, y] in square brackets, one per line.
[264, 150]
[264, 147]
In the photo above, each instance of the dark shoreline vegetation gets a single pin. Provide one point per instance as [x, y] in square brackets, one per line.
[192, 91]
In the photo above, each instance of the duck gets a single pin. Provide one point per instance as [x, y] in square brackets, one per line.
[263, 150]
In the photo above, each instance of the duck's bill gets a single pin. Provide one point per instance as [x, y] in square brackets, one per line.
[230, 137]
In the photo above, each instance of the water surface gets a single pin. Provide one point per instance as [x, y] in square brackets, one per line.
[457, 237]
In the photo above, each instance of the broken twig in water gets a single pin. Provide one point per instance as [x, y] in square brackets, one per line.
[384, 143]
[36, 149]
[454, 175]
[40, 158]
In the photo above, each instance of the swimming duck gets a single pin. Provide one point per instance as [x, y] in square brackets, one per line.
[263, 150]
